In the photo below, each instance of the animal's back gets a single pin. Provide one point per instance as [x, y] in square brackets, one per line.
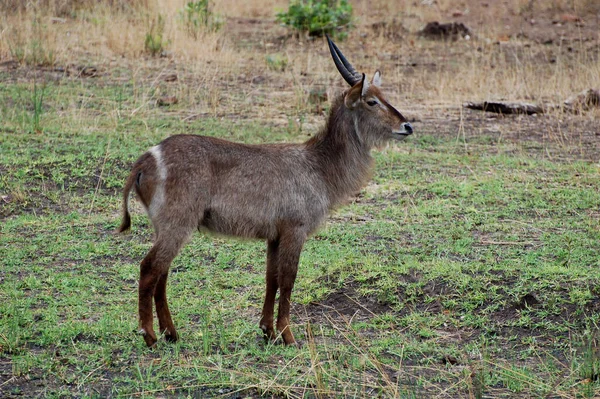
[242, 190]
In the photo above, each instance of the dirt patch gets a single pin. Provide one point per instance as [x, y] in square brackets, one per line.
[29, 385]
[344, 304]
[447, 31]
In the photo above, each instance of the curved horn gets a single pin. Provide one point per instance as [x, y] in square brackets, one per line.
[343, 65]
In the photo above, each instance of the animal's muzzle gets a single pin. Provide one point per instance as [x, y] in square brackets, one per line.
[407, 128]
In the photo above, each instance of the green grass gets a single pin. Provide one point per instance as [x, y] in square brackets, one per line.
[424, 279]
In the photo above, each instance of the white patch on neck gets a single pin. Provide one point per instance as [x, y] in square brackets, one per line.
[356, 128]
[158, 198]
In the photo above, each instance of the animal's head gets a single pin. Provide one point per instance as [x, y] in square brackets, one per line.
[370, 109]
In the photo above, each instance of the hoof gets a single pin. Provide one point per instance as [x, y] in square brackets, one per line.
[297, 344]
[171, 337]
[149, 338]
[268, 333]
[150, 342]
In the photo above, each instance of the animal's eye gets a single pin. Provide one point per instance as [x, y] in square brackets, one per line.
[372, 103]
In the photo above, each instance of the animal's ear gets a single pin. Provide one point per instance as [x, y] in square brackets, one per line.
[356, 92]
[376, 79]
[365, 86]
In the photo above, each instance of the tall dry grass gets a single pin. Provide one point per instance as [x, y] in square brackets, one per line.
[67, 29]
[417, 72]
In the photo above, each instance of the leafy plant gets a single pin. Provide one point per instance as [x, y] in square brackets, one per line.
[276, 62]
[198, 16]
[154, 42]
[319, 17]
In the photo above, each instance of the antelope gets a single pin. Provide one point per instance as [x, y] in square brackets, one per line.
[280, 193]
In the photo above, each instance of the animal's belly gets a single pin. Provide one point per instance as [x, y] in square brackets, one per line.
[261, 222]
[238, 225]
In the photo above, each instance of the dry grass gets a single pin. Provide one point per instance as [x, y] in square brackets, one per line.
[91, 31]
[226, 72]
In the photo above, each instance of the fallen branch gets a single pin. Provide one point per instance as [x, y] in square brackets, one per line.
[583, 101]
[505, 107]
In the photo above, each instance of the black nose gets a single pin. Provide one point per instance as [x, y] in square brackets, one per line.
[408, 127]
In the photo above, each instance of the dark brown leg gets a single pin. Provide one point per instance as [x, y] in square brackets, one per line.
[148, 279]
[290, 246]
[153, 279]
[162, 309]
[266, 321]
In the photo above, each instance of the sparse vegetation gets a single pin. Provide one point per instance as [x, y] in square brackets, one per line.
[276, 62]
[38, 102]
[318, 17]
[33, 47]
[467, 268]
[155, 42]
[198, 16]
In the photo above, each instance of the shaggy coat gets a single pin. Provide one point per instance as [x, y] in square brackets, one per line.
[280, 193]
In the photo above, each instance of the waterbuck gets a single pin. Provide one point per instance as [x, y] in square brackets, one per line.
[276, 192]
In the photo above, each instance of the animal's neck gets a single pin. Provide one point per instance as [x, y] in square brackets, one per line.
[342, 154]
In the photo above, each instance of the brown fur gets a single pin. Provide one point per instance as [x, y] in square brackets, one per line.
[277, 192]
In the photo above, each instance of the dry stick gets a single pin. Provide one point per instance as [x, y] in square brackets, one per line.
[374, 362]
[466, 380]
[173, 388]
[100, 177]
[377, 365]
[281, 370]
[526, 379]
[484, 242]
[524, 223]
[399, 368]
[152, 86]
[88, 376]
[553, 388]
[7, 381]
[257, 386]
[314, 360]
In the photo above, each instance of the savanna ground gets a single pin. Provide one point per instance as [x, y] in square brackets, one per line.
[468, 267]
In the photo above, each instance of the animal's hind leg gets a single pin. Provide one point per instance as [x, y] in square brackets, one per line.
[153, 272]
[162, 309]
[147, 284]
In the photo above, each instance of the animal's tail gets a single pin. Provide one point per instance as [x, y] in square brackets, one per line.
[145, 166]
[126, 218]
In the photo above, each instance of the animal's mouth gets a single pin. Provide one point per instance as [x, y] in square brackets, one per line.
[406, 129]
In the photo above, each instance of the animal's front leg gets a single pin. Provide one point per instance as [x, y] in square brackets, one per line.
[266, 321]
[291, 243]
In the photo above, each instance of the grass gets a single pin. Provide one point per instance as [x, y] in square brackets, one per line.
[415, 288]
[468, 267]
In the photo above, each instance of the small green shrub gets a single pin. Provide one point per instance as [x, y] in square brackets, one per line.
[276, 62]
[318, 17]
[154, 42]
[198, 16]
